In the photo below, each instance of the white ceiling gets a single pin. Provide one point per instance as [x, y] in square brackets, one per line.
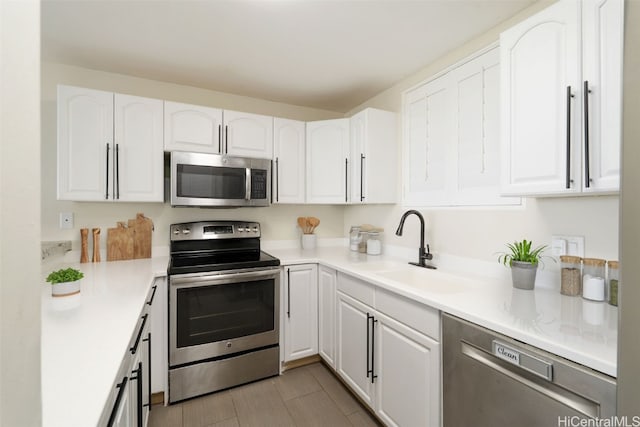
[331, 55]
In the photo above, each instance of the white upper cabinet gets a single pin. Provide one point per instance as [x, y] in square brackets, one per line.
[553, 132]
[328, 161]
[427, 137]
[373, 157]
[85, 143]
[602, 37]
[451, 137]
[109, 146]
[288, 161]
[248, 135]
[192, 128]
[139, 152]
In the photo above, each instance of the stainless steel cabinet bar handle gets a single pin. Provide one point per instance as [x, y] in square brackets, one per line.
[587, 177]
[106, 195]
[117, 186]
[277, 181]
[568, 177]
[346, 184]
[288, 293]
[361, 176]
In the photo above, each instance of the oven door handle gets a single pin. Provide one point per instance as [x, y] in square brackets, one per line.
[190, 281]
[248, 184]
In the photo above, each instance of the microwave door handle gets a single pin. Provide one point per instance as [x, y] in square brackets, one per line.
[248, 184]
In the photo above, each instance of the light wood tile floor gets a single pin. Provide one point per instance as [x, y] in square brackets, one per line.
[307, 396]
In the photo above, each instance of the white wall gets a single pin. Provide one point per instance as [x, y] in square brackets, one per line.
[278, 221]
[480, 233]
[20, 282]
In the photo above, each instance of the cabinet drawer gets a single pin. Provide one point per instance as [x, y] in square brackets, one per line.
[415, 315]
[356, 288]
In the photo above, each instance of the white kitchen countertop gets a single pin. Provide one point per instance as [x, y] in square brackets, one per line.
[579, 330]
[85, 337]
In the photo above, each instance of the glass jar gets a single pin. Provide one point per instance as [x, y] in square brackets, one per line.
[571, 277]
[613, 280]
[374, 245]
[354, 238]
[593, 287]
[362, 244]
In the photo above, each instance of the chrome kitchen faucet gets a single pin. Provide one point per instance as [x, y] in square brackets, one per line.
[423, 254]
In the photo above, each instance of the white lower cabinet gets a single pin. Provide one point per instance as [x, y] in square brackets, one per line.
[407, 365]
[129, 403]
[354, 347]
[385, 355]
[159, 332]
[327, 315]
[300, 311]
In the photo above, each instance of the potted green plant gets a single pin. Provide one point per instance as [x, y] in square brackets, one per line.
[523, 260]
[65, 282]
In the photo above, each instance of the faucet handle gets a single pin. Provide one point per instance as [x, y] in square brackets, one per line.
[428, 255]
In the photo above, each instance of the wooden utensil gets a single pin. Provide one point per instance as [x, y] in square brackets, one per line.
[302, 223]
[119, 243]
[141, 227]
[96, 244]
[84, 237]
[308, 226]
[314, 223]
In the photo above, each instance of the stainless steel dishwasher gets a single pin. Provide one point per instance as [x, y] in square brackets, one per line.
[492, 380]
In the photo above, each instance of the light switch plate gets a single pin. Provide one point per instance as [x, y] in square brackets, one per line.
[66, 220]
[567, 245]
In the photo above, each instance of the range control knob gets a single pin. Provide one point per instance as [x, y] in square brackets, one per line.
[176, 231]
[240, 229]
[186, 231]
[254, 229]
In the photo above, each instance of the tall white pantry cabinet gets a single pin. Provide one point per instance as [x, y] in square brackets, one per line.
[561, 105]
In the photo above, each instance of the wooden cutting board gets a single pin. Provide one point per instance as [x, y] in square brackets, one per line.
[119, 243]
[142, 228]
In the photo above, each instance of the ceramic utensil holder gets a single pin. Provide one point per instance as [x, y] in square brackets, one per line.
[309, 241]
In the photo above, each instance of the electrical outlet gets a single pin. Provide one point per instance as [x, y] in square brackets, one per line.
[66, 220]
[567, 245]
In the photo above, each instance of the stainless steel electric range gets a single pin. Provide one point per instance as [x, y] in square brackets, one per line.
[223, 308]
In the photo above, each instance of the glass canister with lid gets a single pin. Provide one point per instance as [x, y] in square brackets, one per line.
[354, 238]
[593, 287]
[571, 276]
[614, 284]
[374, 244]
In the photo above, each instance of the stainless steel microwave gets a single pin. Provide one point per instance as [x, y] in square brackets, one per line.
[211, 180]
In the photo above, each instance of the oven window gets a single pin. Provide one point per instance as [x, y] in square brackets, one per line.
[211, 182]
[214, 313]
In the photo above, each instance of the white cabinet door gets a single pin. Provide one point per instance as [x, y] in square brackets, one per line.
[541, 102]
[301, 311]
[139, 156]
[248, 135]
[407, 366]
[124, 416]
[85, 143]
[427, 142]
[288, 160]
[373, 157]
[327, 315]
[354, 346]
[328, 161]
[192, 128]
[602, 31]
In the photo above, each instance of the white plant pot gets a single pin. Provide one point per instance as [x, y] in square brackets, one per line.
[65, 289]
